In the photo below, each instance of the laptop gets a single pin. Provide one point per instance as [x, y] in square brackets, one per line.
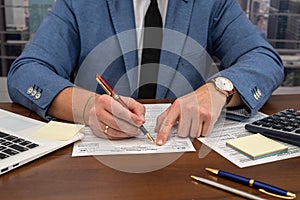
[18, 146]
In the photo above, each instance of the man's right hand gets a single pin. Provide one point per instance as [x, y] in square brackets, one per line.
[109, 119]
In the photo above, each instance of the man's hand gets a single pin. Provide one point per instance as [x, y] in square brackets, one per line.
[196, 113]
[109, 119]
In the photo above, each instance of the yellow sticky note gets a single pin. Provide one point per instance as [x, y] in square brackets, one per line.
[256, 146]
[58, 130]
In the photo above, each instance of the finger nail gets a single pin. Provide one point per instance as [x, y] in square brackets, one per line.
[160, 142]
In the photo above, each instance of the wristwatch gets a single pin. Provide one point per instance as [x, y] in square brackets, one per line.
[225, 86]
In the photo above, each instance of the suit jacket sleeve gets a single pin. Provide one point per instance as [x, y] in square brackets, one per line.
[247, 59]
[33, 79]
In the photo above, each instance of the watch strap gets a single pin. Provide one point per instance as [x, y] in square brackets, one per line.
[229, 96]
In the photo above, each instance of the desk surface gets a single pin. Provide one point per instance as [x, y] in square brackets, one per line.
[59, 176]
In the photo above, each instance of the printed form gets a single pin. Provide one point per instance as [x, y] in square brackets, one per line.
[231, 130]
[93, 145]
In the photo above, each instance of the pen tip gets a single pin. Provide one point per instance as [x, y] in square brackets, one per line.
[150, 137]
[215, 171]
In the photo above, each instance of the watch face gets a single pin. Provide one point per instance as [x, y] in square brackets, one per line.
[224, 84]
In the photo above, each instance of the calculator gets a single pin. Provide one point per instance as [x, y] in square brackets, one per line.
[283, 126]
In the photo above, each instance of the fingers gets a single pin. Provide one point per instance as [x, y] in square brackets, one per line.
[165, 123]
[195, 113]
[196, 127]
[189, 125]
[104, 131]
[135, 107]
[207, 126]
[110, 130]
[122, 123]
[133, 116]
[160, 119]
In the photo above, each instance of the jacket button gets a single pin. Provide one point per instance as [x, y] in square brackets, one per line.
[37, 95]
[33, 93]
[29, 90]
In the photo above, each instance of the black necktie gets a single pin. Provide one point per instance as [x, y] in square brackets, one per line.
[150, 56]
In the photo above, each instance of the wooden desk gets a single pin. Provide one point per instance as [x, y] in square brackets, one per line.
[59, 176]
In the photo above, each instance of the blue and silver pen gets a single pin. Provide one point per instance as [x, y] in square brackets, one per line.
[262, 187]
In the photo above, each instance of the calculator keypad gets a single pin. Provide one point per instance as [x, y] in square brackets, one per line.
[284, 126]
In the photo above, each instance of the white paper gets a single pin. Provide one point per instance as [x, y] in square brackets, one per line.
[92, 145]
[231, 130]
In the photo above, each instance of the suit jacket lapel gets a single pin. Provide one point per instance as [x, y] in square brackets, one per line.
[176, 28]
[122, 15]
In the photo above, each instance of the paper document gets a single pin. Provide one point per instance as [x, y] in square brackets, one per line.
[233, 129]
[92, 145]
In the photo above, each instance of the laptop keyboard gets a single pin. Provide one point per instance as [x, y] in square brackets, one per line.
[11, 145]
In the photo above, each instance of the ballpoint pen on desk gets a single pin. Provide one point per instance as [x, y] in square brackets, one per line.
[111, 92]
[227, 188]
[262, 187]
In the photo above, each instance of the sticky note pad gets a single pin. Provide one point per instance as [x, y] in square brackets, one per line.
[58, 131]
[256, 146]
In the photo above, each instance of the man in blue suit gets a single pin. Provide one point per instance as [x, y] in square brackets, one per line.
[54, 76]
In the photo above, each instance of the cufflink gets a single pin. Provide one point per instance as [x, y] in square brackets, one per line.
[256, 96]
[259, 92]
[256, 93]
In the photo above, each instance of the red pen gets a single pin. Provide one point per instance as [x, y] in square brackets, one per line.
[111, 92]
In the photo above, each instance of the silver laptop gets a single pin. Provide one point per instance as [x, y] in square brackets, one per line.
[18, 146]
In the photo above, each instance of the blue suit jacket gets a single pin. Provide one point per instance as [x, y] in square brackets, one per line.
[80, 38]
